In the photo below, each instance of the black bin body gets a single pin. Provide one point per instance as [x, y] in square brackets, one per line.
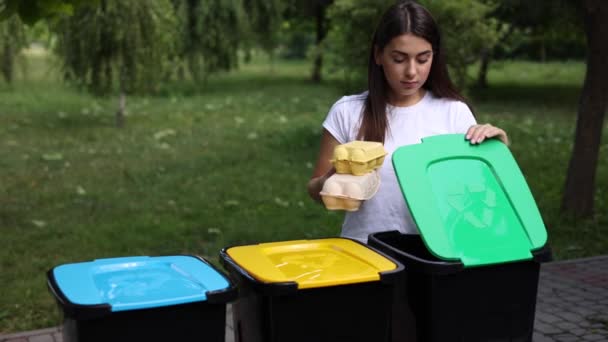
[187, 322]
[441, 301]
[280, 312]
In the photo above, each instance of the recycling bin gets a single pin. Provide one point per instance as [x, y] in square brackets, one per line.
[311, 290]
[164, 298]
[472, 272]
[445, 301]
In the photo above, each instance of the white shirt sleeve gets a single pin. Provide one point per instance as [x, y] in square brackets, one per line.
[337, 123]
[463, 118]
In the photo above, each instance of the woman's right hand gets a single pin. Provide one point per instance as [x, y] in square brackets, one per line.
[324, 168]
[315, 185]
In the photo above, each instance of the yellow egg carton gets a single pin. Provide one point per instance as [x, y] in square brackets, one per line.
[358, 157]
[347, 192]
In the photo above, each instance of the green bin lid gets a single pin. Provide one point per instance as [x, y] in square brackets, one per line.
[470, 202]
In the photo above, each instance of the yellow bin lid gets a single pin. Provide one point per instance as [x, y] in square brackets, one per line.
[311, 263]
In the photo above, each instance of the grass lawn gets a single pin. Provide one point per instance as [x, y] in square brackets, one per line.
[197, 169]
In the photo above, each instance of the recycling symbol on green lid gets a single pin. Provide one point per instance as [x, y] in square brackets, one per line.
[475, 203]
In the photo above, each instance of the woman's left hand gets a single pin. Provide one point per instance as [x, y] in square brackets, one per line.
[478, 133]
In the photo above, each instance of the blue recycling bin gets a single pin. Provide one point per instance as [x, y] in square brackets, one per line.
[165, 298]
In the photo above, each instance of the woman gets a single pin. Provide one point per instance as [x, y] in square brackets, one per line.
[410, 96]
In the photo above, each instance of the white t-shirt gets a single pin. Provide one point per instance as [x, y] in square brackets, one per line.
[387, 210]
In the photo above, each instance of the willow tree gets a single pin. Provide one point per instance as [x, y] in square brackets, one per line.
[209, 32]
[117, 44]
[316, 10]
[12, 40]
[31, 11]
[264, 19]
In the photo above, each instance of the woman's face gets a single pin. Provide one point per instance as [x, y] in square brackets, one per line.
[406, 61]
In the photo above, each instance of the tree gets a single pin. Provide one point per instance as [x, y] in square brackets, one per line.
[209, 34]
[317, 10]
[31, 11]
[348, 40]
[579, 187]
[264, 19]
[465, 32]
[12, 40]
[123, 42]
[532, 23]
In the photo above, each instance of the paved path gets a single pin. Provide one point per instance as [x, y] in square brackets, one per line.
[572, 305]
[572, 301]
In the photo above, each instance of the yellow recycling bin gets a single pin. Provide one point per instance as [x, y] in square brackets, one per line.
[312, 290]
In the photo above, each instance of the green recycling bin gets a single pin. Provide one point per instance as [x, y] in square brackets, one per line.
[472, 273]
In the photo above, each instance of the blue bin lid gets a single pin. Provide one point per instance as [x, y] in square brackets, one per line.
[132, 283]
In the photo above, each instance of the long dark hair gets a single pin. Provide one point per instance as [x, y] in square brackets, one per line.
[401, 18]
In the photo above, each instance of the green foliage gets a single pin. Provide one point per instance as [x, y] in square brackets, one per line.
[125, 41]
[464, 28]
[349, 39]
[540, 29]
[209, 34]
[264, 19]
[31, 11]
[12, 40]
[39, 33]
[296, 38]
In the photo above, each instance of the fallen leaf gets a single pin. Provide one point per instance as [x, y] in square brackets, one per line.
[231, 203]
[52, 156]
[281, 202]
[164, 133]
[80, 190]
[39, 223]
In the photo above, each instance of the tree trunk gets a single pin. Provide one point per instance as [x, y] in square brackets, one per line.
[95, 85]
[108, 79]
[122, 100]
[486, 57]
[543, 50]
[580, 181]
[181, 72]
[271, 57]
[120, 113]
[482, 77]
[248, 56]
[321, 33]
[8, 62]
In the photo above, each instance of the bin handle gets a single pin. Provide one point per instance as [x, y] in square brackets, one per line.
[70, 309]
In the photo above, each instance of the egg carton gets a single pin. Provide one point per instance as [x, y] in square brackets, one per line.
[358, 157]
[347, 192]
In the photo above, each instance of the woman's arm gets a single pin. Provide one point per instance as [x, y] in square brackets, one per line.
[324, 169]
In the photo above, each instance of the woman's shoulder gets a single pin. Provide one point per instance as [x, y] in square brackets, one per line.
[350, 101]
[446, 103]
